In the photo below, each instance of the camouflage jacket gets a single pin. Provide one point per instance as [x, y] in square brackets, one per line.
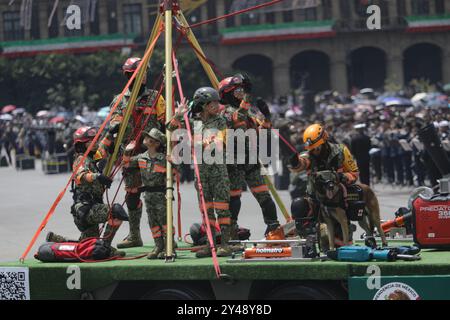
[142, 109]
[152, 169]
[86, 179]
[208, 136]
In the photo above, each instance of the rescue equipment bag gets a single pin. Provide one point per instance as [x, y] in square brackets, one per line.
[89, 249]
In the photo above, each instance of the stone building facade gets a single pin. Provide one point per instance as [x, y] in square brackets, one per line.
[325, 46]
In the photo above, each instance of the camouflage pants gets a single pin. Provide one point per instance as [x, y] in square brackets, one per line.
[155, 204]
[251, 175]
[98, 213]
[216, 191]
[132, 181]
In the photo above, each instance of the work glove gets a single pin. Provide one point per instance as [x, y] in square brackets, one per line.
[263, 107]
[130, 147]
[104, 180]
[294, 162]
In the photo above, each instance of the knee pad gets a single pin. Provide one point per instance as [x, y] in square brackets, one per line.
[235, 207]
[133, 201]
[118, 212]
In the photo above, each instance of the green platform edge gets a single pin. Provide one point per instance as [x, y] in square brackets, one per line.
[48, 280]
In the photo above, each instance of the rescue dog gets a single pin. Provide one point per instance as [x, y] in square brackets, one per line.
[331, 195]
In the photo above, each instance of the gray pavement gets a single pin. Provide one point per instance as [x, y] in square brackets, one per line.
[26, 196]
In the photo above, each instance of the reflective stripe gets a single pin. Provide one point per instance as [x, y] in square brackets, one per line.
[106, 142]
[209, 205]
[159, 169]
[235, 193]
[259, 189]
[149, 111]
[142, 164]
[221, 205]
[156, 235]
[245, 105]
[224, 221]
[132, 190]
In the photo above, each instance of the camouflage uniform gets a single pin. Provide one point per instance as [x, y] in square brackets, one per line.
[250, 174]
[214, 177]
[88, 209]
[132, 179]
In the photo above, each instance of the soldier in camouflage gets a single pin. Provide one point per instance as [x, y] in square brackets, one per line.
[147, 114]
[89, 185]
[234, 93]
[213, 176]
[152, 166]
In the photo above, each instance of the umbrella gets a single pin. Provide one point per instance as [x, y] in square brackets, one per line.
[6, 117]
[396, 102]
[8, 108]
[18, 111]
[103, 112]
[42, 113]
[57, 119]
[81, 119]
[447, 87]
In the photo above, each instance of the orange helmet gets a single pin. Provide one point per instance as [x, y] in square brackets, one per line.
[314, 136]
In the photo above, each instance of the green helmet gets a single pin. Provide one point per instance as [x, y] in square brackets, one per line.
[205, 95]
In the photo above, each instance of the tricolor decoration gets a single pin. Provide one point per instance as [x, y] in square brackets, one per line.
[277, 32]
[428, 23]
[12, 49]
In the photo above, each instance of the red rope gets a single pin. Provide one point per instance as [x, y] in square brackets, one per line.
[94, 141]
[235, 13]
[199, 183]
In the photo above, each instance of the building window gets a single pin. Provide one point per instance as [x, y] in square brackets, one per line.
[95, 24]
[440, 6]
[249, 19]
[346, 12]
[53, 29]
[35, 32]
[212, 28]
[270, 17]
[132, 18]
[11, 26]
[288, 16]
[230, 22]
[309, 14]
[361, 6]
[112, 16]
[420, 7]
[401, 8]
[327, 9]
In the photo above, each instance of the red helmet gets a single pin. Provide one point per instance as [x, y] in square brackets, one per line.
[131, 65]
[84, 134]
[229, 84]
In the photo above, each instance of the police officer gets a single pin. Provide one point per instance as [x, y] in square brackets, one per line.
[147, 114]
[360, 146]
[89, 185]
[234, 93]
[320, 155]
[213, 174]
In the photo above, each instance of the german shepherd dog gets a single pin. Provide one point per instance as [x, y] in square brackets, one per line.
[330, 193]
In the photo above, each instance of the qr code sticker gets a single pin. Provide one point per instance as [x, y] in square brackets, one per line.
[14, 284]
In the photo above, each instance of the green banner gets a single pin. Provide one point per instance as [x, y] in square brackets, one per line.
[400, 288]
